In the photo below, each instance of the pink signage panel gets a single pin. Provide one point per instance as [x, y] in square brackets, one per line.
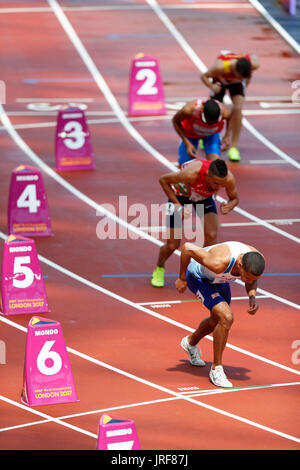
[117, 433]
[48, 377]
[28, 212]
[22, 283]
[146, 94]
[73, 147]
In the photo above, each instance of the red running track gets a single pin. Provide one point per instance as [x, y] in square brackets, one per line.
[126, 357]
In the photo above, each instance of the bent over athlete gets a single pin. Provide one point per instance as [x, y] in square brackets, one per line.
[231, 72]
[195, 184]
[207, 273]
[202, 120]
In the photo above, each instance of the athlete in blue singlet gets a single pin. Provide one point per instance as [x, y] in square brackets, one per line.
[207, 272]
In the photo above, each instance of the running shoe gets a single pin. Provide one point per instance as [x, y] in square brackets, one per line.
[193, 353]
[234, 154]
[158, 277]
[218, 377]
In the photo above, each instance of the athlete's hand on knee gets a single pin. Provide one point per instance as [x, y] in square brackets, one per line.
[225, 143]
[191, 150]
[225, 207]
[216, 88]
[180, 285]
[187, 212]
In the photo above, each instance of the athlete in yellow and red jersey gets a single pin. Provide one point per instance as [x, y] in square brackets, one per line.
[231, 72]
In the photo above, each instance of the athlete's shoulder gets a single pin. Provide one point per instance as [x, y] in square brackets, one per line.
[221, 254]
[230, 179]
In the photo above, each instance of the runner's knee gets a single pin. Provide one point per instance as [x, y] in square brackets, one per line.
[173, 244]
[226, 319]
[210, 237]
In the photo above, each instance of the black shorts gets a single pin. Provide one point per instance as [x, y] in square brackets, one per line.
[174, 218]
[237, 88]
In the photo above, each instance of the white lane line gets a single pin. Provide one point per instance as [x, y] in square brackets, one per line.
[202, 68]
[55, 100]
[279, 105]
[268, 162]
[280, 30]
[187, 301]
[117, 109]
[185, 99]
[269, 144]
[191, 394]
[271, 221]
[162, 228]
[47, 417]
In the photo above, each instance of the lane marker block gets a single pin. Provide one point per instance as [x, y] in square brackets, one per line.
[73, 147]
[146, 94]
[22, 283]
[48, 377]
[117, 433]
[28, 212]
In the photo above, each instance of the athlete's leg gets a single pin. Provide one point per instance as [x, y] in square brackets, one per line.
[209, 295]
[210, 228]
[238, 102]
[224, 314]
[172, 243]
[209, 220]
[212, 146]
[206, 327]
[183, 156]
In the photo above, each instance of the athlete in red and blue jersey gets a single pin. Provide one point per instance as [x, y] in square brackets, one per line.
[205, 120]
[231, 72]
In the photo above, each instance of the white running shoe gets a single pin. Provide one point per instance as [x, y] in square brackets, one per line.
[192, 352]
[218, 377]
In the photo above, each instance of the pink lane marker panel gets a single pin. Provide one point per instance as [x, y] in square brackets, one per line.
[117, 433]
[73, 147]
[28, 212]
[22, 284]
[48, 377]
[146, 94]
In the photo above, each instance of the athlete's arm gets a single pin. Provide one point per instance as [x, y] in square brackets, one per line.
[213, 72]
[227, 115]
[188, 175]
[185, 113]
[254, 62]
[232, 194]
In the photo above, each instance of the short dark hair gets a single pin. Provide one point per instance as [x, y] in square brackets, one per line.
[243, 67]
[218, 168]
[254, 263]
[212, 110]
